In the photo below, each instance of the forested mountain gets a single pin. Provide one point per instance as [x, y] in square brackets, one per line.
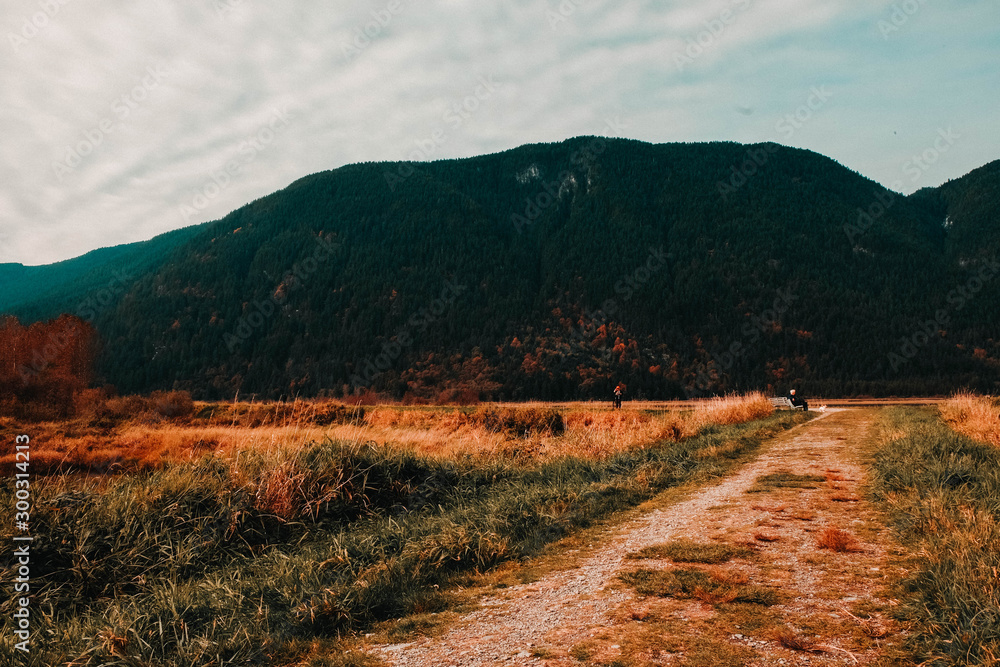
[557, 270]
[39, 290]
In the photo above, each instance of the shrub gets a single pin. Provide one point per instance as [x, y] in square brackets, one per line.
[172, 404]
[458, 396]
[792, 640]
[112, 410]
[838, 540]
[324, 414]
[519, 422]
[253, 415]
[117, 409]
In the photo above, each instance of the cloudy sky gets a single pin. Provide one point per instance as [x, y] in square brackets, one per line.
[123, 120]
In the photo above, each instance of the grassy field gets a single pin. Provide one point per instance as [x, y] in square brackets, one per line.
[177, 535]
[137, 433]
[937, 473]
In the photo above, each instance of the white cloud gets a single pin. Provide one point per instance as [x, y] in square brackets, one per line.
[226, 74]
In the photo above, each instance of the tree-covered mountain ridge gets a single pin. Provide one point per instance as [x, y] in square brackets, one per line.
[555, 271]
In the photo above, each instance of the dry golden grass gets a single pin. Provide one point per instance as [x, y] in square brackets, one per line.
[595, 433]
[839, 541]
[733, 409]
[778, 509]
[766, 537]
[413, 418]
[873, 627]
[279, 489]
[723, 595]
[637, 613]
[792, 640]
[728, 577]
[134, 446]
[975, 416]
[144, 443]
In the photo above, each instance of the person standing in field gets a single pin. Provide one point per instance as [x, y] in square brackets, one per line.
[618, 395]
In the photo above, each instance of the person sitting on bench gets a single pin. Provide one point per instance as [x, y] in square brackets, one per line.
[797, 401]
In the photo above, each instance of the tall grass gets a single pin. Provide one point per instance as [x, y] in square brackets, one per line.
[942, 489]
[254, 558]
[133, 433]
[976, 416]
[732, 409]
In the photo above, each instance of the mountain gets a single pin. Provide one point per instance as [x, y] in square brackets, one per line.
[557, 270]
[65, 286]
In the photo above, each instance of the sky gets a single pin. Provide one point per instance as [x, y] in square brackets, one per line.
[124, 120]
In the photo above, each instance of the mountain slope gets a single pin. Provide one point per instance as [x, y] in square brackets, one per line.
[557, 270]
[64, 286]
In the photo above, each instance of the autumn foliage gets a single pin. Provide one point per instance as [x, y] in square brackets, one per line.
[44, 366]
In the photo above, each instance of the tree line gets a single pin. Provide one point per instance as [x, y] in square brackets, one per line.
[634, 268]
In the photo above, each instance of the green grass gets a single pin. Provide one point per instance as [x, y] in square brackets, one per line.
[694, 583]
[268, 561]
[684, 551]
[942, 492]
[785, 480]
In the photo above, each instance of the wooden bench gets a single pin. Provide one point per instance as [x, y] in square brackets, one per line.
[784, 403]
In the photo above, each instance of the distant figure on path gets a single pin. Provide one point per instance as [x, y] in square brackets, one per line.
[797, 401]
[618, 395]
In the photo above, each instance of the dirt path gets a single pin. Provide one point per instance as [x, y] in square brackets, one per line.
[828, 603]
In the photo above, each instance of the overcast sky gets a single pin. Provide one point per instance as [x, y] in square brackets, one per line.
[123, 120]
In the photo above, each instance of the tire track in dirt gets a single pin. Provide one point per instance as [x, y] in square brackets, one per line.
[540, 623]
